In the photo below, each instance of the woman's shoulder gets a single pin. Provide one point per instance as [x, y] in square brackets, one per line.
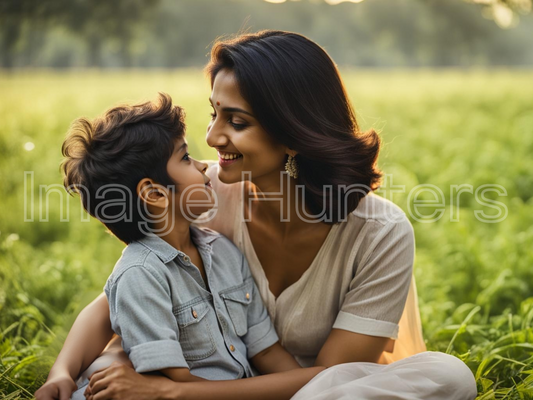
[379, 209]
[377, 230]
[377, 220]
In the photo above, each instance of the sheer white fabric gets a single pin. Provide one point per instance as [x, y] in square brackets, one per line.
[428, 375]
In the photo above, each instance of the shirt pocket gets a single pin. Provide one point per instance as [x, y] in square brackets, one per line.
[237, 300]
[196, 338]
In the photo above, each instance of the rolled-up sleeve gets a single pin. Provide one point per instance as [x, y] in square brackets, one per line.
[261, 332]
[141, 313]
[377, 294]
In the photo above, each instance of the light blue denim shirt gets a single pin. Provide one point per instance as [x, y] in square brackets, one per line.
[167, 317]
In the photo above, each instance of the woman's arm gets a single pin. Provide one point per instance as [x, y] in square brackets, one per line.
[344, 347]
[181, 375]
[377, 297]
[278, 386]
[274, 359]
[120, 382]
[87, 338]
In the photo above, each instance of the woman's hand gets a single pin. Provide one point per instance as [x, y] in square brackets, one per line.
[121, 382]
[59, 388]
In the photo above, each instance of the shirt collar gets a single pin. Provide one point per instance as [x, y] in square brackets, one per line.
[202, 237]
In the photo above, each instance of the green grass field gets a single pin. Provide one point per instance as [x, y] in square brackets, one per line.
[475, 279]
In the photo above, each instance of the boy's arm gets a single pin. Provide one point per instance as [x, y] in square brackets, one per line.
[141, 313]
[86, 340]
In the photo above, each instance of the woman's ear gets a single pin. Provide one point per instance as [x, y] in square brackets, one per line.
[152, 194]
[291, 152]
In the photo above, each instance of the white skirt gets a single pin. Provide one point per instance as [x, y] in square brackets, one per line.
[425, 376]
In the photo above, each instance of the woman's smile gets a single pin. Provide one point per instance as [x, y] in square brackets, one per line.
[226, 159]
[249, 149]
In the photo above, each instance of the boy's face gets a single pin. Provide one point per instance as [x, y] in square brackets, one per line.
[194, 194]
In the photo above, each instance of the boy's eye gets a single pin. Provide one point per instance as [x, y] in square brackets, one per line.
[186, 157]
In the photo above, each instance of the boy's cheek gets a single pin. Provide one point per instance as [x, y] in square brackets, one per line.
[197, 200]
[195, 203]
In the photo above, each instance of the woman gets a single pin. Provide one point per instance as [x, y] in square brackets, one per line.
[333, 262]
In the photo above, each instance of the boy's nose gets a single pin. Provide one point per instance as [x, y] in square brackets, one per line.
[202, 166]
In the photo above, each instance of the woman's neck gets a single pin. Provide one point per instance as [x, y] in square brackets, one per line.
[279, 202]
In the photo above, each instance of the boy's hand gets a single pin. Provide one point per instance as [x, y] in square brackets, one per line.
[121, 382]
[60, 388]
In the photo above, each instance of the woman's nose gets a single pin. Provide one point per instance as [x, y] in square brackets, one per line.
[214, 136]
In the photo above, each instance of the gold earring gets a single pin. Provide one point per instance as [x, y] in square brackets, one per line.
[291, 166]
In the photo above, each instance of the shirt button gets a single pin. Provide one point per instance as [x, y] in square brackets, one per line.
[247, 296]
[186, 259]
[194, 314]
[232, 348]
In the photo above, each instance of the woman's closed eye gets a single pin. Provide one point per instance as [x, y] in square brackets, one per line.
[236, 125]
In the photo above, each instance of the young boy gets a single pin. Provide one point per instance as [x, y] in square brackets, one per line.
[181, 298]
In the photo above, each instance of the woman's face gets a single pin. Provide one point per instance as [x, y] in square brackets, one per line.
[241, 142]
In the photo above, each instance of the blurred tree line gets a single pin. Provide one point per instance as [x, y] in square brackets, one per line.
[178, 33]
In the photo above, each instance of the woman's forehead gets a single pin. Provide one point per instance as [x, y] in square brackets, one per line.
[226, 89]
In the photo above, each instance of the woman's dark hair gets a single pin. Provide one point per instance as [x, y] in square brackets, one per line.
[297, 95]
[106, 158]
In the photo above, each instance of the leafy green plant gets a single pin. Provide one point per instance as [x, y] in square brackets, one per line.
[474, 279]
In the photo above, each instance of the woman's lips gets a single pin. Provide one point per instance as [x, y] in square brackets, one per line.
[225, 163]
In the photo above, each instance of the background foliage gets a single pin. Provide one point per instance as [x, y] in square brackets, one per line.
[62, 59]
[475, 280]
[177, 33]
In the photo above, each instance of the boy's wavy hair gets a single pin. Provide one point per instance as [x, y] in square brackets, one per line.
[297, 95]
[107, 157]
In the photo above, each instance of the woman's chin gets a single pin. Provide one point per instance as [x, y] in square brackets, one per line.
[229, 177]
